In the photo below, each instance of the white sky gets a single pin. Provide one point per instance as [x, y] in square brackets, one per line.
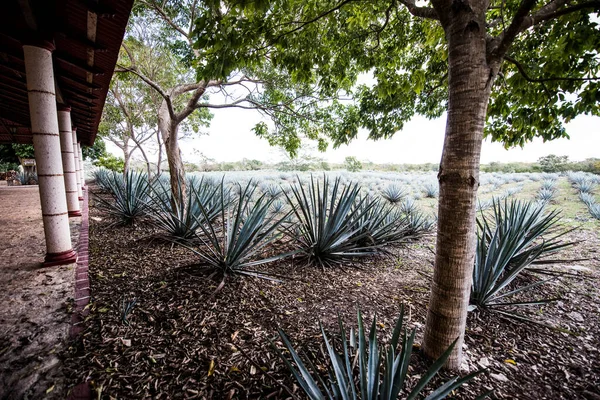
[230, 138]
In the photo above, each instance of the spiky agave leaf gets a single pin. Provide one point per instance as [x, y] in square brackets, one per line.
[181, 221]
[378, 225]
[507, 245]
[327, 215]
[238, 244]
[131, 195]
[394, 193]
[381, 372]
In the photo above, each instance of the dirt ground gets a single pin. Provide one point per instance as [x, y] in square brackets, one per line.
[34, 317]
[156, 329]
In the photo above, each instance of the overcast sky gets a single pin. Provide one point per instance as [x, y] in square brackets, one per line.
[231, 138]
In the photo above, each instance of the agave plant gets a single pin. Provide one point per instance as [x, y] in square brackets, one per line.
[408, 206]
[548, 184]
[585, 186]
[24, 177]
[594, 209]
[546, 195]
[329, 228]
[237, 245]
[381, 372]
[394, 193]
[506, 245]
[431, 190]
[587, 198]
[377, 225]
[181, 221]
[101, 176]
[272, 190]
[130, 196]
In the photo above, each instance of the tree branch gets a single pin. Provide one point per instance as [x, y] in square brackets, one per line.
[528, 77]
[160, 11]
[503, 41]
[422, 12]
[133, 69]
[545, 14]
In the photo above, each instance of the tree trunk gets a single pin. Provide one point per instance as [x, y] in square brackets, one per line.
[168, 129]
[470, 79]
[126, 158]
[159, 162]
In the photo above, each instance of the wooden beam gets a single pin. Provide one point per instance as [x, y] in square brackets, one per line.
[100, 9]
[79, 81]
[80, 38]
[67, 59]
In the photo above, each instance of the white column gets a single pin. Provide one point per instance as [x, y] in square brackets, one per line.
[68, 160]
[81, 165]
[46, 143]
[77, 165]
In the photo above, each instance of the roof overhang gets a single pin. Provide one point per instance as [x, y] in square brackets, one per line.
[86, 35]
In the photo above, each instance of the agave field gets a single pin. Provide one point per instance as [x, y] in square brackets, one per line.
[278, 285]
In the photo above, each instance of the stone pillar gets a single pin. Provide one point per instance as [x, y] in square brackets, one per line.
[81, 165]
[77, 165]
[68, 160]
[46, 143]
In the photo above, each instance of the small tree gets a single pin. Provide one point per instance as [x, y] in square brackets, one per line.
[553, 163]
[352, 164]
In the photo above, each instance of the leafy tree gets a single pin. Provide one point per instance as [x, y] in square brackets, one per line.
[94, 152]
[553, 163]
[169, 31]
[23, 150]
[519, 68]
[111, 162]
[352, 164]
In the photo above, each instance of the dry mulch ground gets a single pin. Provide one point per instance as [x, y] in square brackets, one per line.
[180, 340]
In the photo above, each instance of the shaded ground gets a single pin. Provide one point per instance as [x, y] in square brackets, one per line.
[34, 317]
[180, 341]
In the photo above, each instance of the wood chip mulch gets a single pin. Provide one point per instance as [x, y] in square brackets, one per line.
[181, 340]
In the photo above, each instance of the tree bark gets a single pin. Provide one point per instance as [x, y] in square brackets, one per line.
[470, 80]
[169, 131]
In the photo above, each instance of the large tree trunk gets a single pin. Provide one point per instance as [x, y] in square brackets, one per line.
[470, 80]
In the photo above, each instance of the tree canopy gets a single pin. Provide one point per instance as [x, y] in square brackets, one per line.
[549, 74]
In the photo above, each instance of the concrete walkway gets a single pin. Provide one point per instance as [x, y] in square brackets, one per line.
[34, 301]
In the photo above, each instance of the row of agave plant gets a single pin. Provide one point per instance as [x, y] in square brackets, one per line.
[230, 229]
[585, 184]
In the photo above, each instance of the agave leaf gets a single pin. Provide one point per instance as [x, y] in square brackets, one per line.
[437, 365]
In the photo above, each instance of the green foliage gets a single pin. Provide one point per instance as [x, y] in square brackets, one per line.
[239, 243]
[130, 197]
[553, 163]
[507, 243]
[549, 76]
[110, 162]
[96, 151]
[23, 150]
[352, 164]
[8, 158]
[381, 373]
